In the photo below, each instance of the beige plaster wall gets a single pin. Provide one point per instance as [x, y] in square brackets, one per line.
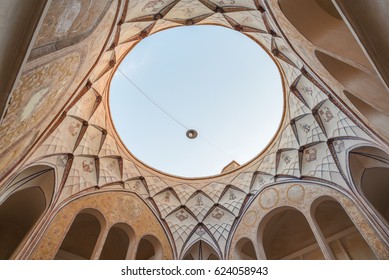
[46, 85]
[116, 207]
[301, 196]
[58, 72]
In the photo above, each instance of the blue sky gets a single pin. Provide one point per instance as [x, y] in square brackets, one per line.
[212, 79]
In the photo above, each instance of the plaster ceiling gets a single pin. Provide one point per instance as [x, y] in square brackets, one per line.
[311, 143]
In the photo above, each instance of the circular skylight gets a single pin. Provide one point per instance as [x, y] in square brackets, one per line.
[207, 80]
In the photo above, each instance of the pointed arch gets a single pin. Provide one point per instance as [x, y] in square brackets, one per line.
[201, 250]
[82, 236]
[286, 234]
[118, 243]
[340, 233]
[359, 84]
[245, 250]
[321, 24]
[149, 248]
[369, 170]
[23, 204]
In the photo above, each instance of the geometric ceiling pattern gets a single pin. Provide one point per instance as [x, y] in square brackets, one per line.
[311, 143]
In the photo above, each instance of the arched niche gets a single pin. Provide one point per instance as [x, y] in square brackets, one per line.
[80, 240]
[340, 233]
[22, 205]
[369, 169]
[286, 234]
[320, 23]
[376, 117]
[117, 242]
[149, 248]
[201, 250]
[359, 84]
[244, 250]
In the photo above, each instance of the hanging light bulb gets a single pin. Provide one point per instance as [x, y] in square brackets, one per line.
[191, 134]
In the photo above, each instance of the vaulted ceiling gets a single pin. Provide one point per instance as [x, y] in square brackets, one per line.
[59, 115]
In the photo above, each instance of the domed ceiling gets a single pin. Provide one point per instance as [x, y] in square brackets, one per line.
[311, 144]
[204, 77]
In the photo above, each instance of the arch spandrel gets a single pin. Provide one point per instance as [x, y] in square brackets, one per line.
[302, 196]
[82, 175]
[116, 207]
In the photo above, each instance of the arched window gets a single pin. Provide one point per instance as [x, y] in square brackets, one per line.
[117, 243]
[80, 240]
[149, 248]
[340, 233]
[244, 250]
[26, 199]
[369, 168]
[201, 250]
[286, 234]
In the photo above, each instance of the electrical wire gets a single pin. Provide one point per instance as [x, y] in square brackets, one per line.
[170, 115]
[152, 100]
[216, 147]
